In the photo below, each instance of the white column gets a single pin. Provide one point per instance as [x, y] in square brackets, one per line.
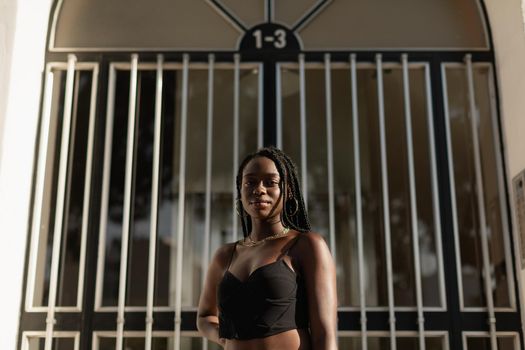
[386, 202]
[209, 158]
[128, 184]
[330, 152]
[302, 107]
[358, 203]
[182, 195]
[104, 201]
[61, 194]
[413, 203]
[154, 202]
[236, 84]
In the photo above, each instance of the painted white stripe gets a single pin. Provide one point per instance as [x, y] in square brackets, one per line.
[413, 203]
[260, 107]
[128, 184]
[67, 195]
[209, 158]
[110, 108]
[154, 203]
[279, 105]
[87, 184]
[61, 192]
[182, 195]
[330, 152]
[302, 104]
[39, 186]
[435, 190]
[386, 202]
[236, 74]
[358, 202]
[452, 180]
[474, 122]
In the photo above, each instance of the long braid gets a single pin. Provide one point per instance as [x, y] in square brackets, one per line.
[293, 202]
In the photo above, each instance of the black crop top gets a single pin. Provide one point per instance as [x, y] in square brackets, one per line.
[271, 300]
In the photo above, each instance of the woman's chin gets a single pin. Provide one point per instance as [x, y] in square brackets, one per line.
[262, 215]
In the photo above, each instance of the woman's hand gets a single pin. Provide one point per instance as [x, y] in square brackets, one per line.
[207, 314]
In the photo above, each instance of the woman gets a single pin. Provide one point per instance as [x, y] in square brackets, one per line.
[275, 288]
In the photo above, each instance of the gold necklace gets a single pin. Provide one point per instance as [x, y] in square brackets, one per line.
[252, 243]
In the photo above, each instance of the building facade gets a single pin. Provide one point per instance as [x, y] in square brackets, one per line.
[124, 124]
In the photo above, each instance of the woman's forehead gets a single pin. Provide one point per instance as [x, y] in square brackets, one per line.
[260, 165]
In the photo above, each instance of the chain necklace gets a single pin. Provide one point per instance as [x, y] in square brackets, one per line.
[249, 242]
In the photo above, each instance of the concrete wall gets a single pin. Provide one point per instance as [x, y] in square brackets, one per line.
[23, 28]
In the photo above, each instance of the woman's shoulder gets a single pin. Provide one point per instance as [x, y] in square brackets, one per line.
[310, 240]
[311, 248]
[223, 254]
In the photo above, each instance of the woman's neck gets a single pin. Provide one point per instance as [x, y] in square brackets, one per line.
[263, 229]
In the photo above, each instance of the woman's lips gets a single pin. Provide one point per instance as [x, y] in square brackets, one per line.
[260, 204]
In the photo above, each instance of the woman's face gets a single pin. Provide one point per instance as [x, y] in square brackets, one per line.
[260, 190]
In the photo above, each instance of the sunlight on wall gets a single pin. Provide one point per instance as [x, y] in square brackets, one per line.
[19, 124]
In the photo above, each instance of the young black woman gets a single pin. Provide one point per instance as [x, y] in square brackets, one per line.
[275, 288]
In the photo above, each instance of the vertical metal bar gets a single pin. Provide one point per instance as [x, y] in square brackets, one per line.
[453, 201]
[330, 151]
[178, 86]
[87, 184]
[358, 203]
[386, 202]
[260, 107]
[236, 72]
[155, 180]
[413, 203]
[279, 106]
[39, 186]
[110, 108]
[501, 189]
[435, 190]
[302, 104]
[128, 184]
[182, 189]
[77, 341]
[67, 194]
[474, 122]
[61, 192]
[209, 157]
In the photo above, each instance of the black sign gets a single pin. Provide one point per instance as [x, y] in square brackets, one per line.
[269, 37]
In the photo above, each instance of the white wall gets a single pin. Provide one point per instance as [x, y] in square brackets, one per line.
[506, 19]
[7, 33]
[508, 31]
[23, 27]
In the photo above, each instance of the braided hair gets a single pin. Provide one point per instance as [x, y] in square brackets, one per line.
[293, 215]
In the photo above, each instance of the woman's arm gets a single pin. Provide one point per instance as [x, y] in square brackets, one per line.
[318, 270]
[207, 314]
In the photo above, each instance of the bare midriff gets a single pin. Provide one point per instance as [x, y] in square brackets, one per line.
[295, 339]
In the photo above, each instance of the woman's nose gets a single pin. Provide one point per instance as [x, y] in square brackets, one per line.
[259, 188]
